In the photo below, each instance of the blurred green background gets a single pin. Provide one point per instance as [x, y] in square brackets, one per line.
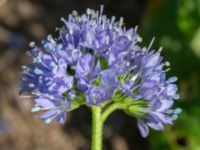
[174, 23]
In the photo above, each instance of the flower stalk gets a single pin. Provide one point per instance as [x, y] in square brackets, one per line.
[98, 119]
[109, 110]
[97, 128]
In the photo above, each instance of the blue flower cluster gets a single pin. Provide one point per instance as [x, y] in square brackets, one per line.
[93, 59]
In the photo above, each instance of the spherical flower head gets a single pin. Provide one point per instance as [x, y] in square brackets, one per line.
[96, 60]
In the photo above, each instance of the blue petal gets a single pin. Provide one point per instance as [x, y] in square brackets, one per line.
[143, 128]
[44, 103]
[49, 115]
[61, 118]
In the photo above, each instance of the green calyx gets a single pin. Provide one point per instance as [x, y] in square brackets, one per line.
[77, 101]
[138, 109]
[135, 108]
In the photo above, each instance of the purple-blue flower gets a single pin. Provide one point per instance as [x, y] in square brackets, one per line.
[95, 59]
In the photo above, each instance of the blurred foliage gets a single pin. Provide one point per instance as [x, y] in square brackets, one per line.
[176, 26]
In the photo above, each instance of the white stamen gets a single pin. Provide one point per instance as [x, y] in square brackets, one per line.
[31, 85]
[107, 39]
[101, 13]
[74, 13]
[32, 44]
[174, 117]
[113, 19]
[121, 21]
[129, 37]
[151, 43]
[88, 11]
[35, 109]
[26, 96]
[62, 19]
[50, 38]
[167, 63]
[136, 28]
[47, 121]
[160, 49]
[177, 111]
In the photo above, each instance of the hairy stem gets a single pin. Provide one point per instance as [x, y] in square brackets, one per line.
[98, 119]
[97, 128]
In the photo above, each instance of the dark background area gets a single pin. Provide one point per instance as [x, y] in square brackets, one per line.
[174, 23]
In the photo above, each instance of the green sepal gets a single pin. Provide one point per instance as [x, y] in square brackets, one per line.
[122, 78]
[96, 82]
[104, 63]
[77, 102]
[138, 109]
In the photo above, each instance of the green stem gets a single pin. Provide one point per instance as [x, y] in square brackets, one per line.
[106, 103]
[97, 128]
[110, 109]
[98, 119]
